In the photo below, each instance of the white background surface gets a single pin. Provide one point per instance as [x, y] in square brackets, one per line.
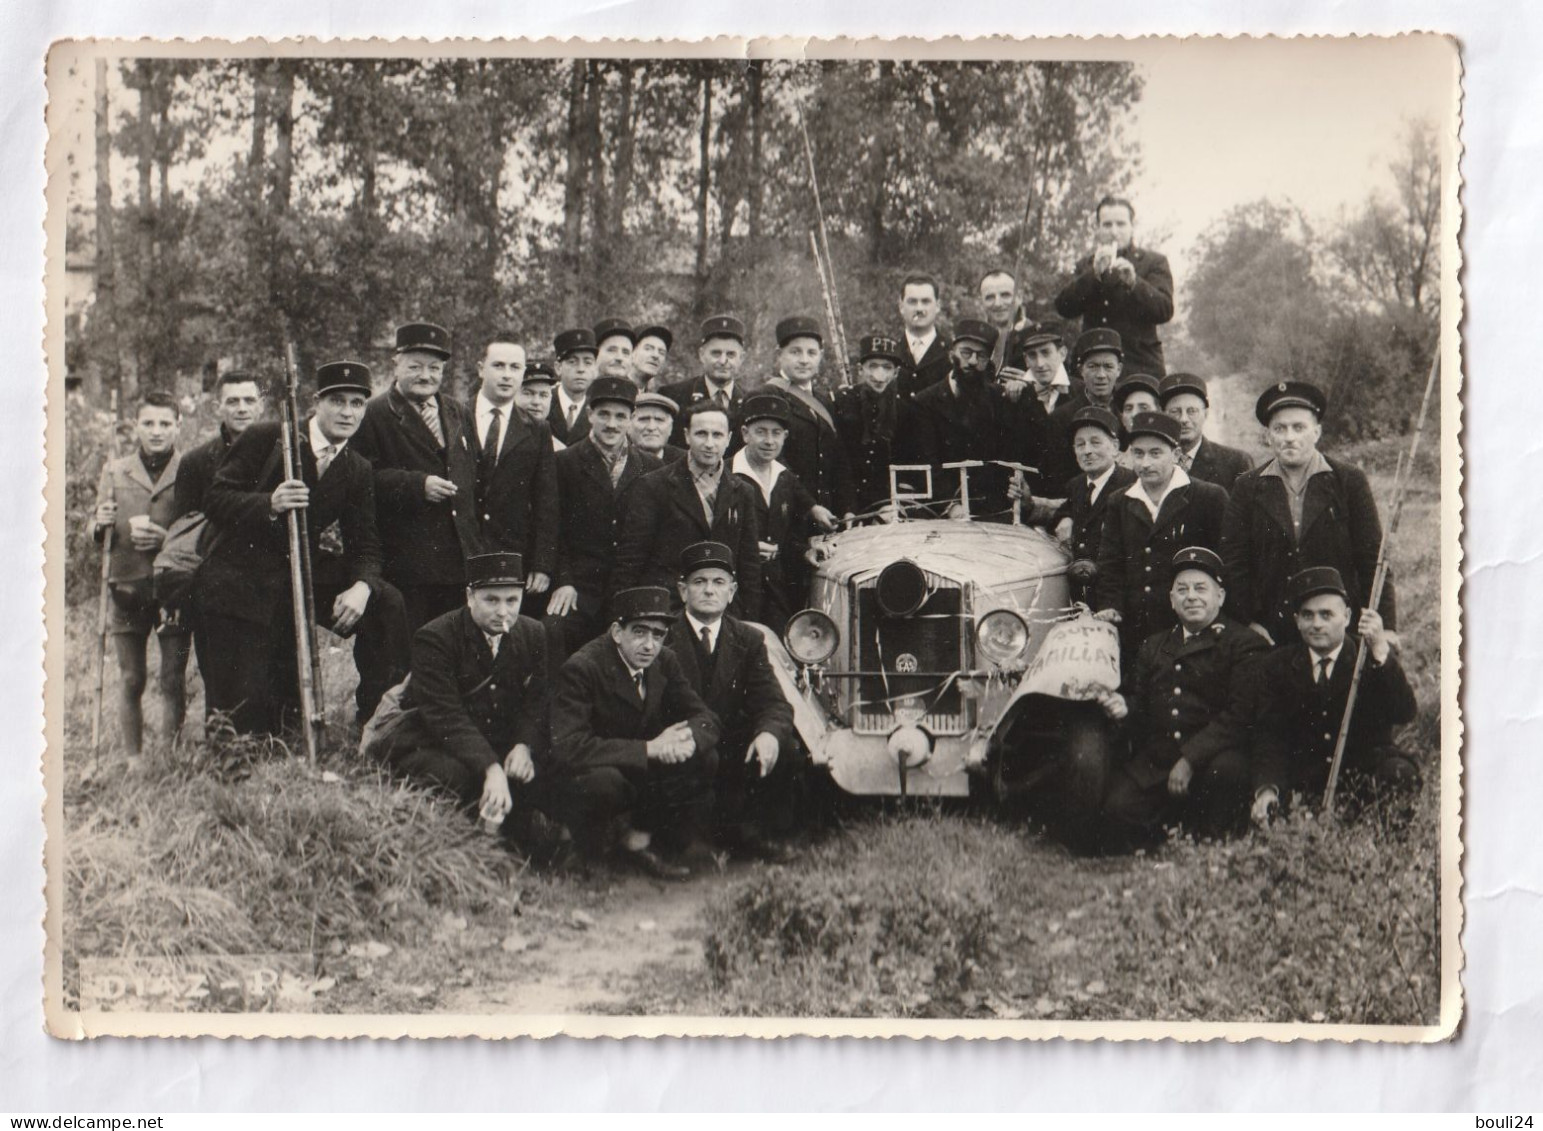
[1496, 1063]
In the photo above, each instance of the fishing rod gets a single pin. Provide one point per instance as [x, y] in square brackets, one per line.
[302, 595]
[104, 591]
[1379, 578]
[823, 261]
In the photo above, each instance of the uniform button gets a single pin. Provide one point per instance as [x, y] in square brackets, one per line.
[1178, 691]
[1327, 737]
[1146, 589]
[1149, 569]
[1178, 667]
[1176, 736]
[1175, 712]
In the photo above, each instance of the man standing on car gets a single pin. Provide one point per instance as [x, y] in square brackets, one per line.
[813, 450]
[1185, 398]
[722, 354]
[927, 359]
[575, 353]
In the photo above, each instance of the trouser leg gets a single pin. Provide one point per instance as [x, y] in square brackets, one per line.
[676, 803]
[172, 680]
[747, 804]
[1133, 813]
[1219, 796]
[593, 803]
[431, 766]
[129, 648]
[382, 645]
[237, 674]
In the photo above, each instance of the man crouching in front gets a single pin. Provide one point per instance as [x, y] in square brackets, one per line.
[634, 743]
[471, 717]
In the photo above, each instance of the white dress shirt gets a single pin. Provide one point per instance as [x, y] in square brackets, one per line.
[712, 630]
[1137, 491]
[920, 346]
[484, 410]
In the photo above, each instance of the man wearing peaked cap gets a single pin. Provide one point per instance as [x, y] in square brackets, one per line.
[517, 501]
[1147, 524]
[1189, 712]
[1135, 392]
[471, 718]
[813, 450]
[786, 509]
[867, 413]
[595, 475]
[614, 341]
[1096, 358]
[1079, 521]
[1300, 509]
[722, 354]
[1186, 399]
[417, 440]
[635, 743]
[962, 417]
[534, 397]
[728, 666]
[1126, 288]
[576, 353]
[244, 595]
[653, 422]
[1038, 393]
[649, 354]
[1300, 694]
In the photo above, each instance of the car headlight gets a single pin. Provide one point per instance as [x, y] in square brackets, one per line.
[811, 637]
[1001, 637]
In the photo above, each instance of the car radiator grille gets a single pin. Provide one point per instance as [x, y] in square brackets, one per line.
[934, 637]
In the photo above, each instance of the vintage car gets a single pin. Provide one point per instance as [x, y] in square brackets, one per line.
[905, 670]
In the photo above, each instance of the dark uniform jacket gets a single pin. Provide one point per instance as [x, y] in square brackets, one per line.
[246, 573]
[517, 505]
[471, 705]
[424, 543]
[591, 516]
[1298, 722]
[196, 472]
[688, 392]
[598, 719]
[867, 422]
[813, 450]
[783, 520]
[664, 515]
[1340, 528]
[1219, 464]
[1087, 515]
[1189, 698]
[1134, 312]
[914, 376]
[736, 683]
[939, 427]
[1135, 558]
[557, 421]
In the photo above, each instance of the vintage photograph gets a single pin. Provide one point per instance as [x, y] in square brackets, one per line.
[887, 538]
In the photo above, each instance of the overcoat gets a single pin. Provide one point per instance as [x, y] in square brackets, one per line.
[1087, 515]
[423, 543]
[782, 519]
[196, 472]
[1340, 528]
[813, 449]
[688, 392]
[914, 376]
[939, 426]
[1134, 312]
[590, 517]
[866, 422]
[736, 683]
[664, 515]
[1219, 464]
[599, 721]
[518, 510]
[558, 423]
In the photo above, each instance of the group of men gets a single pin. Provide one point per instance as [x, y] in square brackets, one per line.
[553, 587]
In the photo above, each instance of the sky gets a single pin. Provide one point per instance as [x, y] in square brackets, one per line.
[1222, 123]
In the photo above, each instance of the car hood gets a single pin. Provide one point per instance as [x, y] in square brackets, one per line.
[988, 554]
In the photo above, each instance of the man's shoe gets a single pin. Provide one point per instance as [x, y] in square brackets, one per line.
[644, 860]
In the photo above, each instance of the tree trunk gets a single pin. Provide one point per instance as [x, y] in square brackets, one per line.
[283, 136]
[573, 194]
[145, 351]
[704, 177]
[878, 173]
[598, 268]
[257, 154]
[626, 128]
[106, 365]
[754, 178]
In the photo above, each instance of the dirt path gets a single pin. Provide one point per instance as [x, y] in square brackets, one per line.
[593, 959]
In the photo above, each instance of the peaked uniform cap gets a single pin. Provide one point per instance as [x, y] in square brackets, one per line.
[1095, 417]
[646, 602]
[425, 336]
[972, 330]
[1176, 384]
[1311, 582]
[723, 326]
[660, 332]
[613, 328]
[503, 568]
[1290, 394]
[702, 555]
[573, 341]
[354, 376]
[617, 389]
[879, 345]
[797, 327]
[1158, 424]
[1135, 382]
[1101, 338]
[1198, 557]
[539, 373]
[764, 406]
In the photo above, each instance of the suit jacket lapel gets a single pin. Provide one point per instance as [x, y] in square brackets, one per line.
[134, 470]
[1173, 507]
[1315, 501]
[1272, 499]
[683, 491]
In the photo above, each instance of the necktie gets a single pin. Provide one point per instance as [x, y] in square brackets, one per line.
[637, 678]
[708, 490]
[429, 410]
[573, 412]
[1323, 671]
[489, 460]
[493, 643]
[707, 640]
[721, 399]
[324, 458]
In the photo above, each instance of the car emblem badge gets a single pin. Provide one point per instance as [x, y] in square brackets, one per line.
[905, 663]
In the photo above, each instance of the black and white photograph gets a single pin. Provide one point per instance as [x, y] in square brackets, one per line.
[950, 538]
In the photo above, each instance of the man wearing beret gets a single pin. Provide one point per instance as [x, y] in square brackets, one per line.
[696, 499]
[244, 590]
[471, 718]
[926, 359]
[1300, 509]
[1126, 288]
[813, 450]
[653, 423]
[726, 662]
[722, 354]
[516, 473]
[1146, 525]
[634, 745]
[1079, 521]
[1185, 398]
[962, 418]
[649, 357]
[1188, 716]
[614, 339]
[575, 353]
[594, 476]
[415, 438]
[867, 417]
[785, 509]
[1301, 693]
